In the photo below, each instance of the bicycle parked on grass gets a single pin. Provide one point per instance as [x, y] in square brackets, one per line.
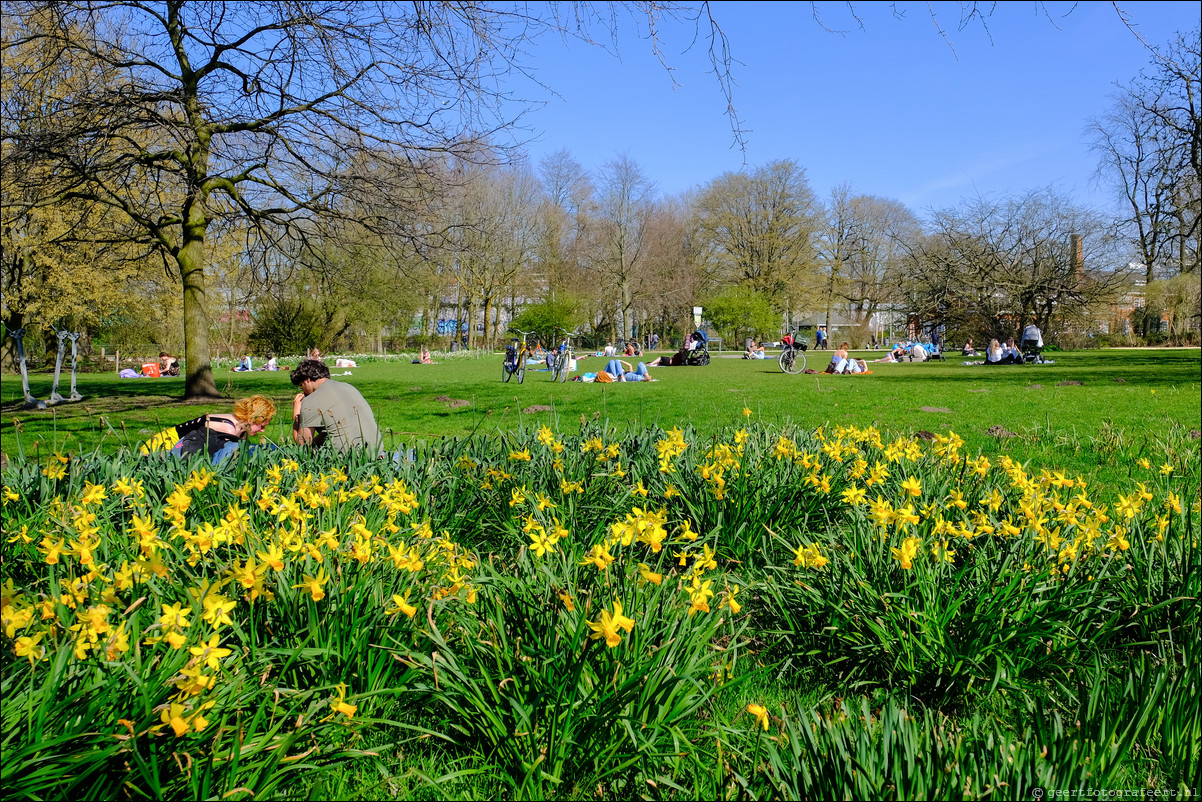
[793, 353]
[515, 359]
[561, 362]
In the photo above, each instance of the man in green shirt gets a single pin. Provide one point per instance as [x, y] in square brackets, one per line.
[328, 411]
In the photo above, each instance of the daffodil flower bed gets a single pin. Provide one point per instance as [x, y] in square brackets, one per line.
[568, 607]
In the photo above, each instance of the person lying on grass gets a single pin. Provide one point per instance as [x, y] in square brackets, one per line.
[217, 435]
[620, 371]
[898, 354]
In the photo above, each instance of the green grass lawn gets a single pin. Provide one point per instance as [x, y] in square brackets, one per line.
[1124, 401]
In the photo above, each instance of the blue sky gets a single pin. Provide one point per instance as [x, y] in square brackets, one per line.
[892, 109]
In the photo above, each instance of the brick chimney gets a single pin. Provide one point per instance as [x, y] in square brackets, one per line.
[1077, 255]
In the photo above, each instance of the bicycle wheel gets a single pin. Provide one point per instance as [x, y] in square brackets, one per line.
[792, 361]
[564, 364]
[521, 371]
[505, 371]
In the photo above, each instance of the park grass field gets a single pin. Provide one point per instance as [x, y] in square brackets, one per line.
[731, 583]
[1124, 398]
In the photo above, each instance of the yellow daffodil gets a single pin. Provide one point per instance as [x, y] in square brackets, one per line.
[403, 605]
[699, 594]
[808, 556]
[210, 653]
[598, 556]
[174, 715]
[608, 626]
[854, 495]
[905, 517]
[217, 609]
[650, 576]
[540, 544]
[339, 705]
[30, 647]
[315, 585]
[908, 551]
[734, 606]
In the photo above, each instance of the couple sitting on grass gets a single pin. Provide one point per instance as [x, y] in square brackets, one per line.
[325, 413]
[754, 351]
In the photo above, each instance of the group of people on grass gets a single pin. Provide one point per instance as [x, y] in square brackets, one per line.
[167, 365]
[245, 364]
[326, 413]
[1007, 354]
[618, 370]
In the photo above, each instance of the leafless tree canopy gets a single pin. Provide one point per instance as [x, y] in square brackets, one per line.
[992, 266]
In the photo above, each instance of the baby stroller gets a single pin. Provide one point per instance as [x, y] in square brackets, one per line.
[700, 355]
[1031, 345]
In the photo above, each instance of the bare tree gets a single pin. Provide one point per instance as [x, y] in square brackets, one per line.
[1149, 147]
[625, 203]
[990, 267]
[862, 244]
[672, 282]
[564, 215]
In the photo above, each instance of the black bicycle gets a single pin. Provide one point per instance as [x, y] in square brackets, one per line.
[793, 354]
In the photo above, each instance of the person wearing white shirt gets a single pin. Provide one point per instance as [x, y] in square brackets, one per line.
[1002, 354]
[1010, 351]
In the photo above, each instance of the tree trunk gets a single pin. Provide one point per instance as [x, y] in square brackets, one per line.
[627, 307]
[8, 356]
[199, 382]
[485, 335]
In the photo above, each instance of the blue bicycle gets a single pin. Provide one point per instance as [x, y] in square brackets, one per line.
[561, 362]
